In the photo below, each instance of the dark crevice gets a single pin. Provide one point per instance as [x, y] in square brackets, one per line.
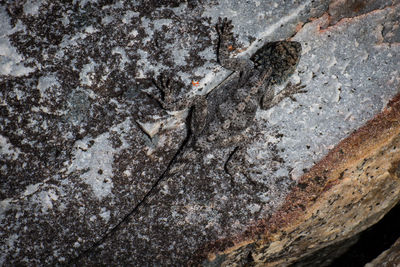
[372, 241]
[226, 165]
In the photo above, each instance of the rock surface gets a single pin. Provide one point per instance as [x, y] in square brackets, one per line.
[81, 144]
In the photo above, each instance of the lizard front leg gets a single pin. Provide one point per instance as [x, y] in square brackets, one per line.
[167, 93]
[269, 99]
[226, 43]
[198, 112]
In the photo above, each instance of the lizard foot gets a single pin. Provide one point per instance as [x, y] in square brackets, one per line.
[292, 89]
[224, 27]
[226, 40]
[163, 84]
[269, 100]
[167, 91]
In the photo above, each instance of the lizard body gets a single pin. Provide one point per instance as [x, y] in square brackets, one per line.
[221, 118]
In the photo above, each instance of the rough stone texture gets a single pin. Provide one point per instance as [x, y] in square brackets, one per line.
[390, 257]
[342, 195]
[81, 143]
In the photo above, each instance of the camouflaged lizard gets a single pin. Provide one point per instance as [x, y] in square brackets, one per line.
[221, 118]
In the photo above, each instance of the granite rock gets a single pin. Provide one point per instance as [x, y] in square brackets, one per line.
[81, 143]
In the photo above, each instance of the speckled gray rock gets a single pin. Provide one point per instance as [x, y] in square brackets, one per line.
[81, 144]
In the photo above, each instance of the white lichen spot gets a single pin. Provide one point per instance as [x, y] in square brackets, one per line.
[11, 63]
[165, 189]
[144, 237]
[105, 214]
[65, 20]
[207, 159]
[7, 150]
[62, 207]
[5, 205]
[364, 55]
[32, 7]
[90, 29]
[97, 160]
[124, 59]
[264, 197]
[11, 240]
[150, 128]
[95, 157]
[134, 33]
[45, 84]
[297, 172]
[87, 74]
[45, 199]
[81, 210]
[107, 20]
[127, 173]
[282, 172]
[253, 208]
[129, 15]
[32, 188]
[180, 56]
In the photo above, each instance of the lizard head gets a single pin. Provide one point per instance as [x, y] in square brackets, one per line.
[281, 56]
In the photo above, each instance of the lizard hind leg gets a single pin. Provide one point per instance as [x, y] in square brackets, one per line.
[199, 115]
[198, 122]
[237, 165]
